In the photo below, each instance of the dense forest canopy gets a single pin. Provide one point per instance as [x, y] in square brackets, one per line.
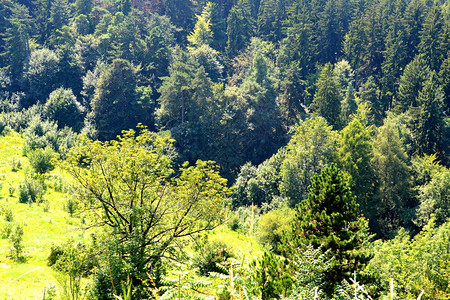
[330, 119]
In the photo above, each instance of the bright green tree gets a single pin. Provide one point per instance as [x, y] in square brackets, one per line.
[355, 157]
[202, 34]
[392, 178]
[129, 188]
[311, 148]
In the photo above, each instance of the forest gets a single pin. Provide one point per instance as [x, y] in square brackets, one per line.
[224, 149]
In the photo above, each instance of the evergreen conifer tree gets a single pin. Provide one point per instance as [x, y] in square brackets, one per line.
[329, 218]
[327, 100]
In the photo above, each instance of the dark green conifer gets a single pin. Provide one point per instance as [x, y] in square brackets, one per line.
[329, 218]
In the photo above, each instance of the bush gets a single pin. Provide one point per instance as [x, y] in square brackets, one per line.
[8, 213]
[31, 191]
[272, 225]
[16, 165]
[210, 254]
[41, 160]
[16, 239]
[71, 206]
[6, 230]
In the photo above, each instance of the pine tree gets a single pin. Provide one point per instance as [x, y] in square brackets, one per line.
[327, 100]
[329, 219]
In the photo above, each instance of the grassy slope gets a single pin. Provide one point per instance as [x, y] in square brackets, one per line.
[28, 279]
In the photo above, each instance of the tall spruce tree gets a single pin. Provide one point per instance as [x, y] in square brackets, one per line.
[327, 100]
[411, 83]
[428, 118]
[240, 27]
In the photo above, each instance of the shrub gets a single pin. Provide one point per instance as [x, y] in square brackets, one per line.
[71, 206]
[16, 239]
[272, 225]
[41, 160]
[210, 254]
[31, 190]
[8, 213]
[6, 230]
[11, 190]
[16, 165]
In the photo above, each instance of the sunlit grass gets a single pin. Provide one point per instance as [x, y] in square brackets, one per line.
[44, 225]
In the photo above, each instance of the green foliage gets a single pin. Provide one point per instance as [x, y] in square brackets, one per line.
[236, 281]
[31, 190]
[41, 75]
[355, 157]
[312, 147]
[115, 106]
[329, 219]
[41, 160]
[434, 199]
[16, 239]
[411, 83]
[8, 213]
[209, 255]
[148, 212]
[272, 226]
[183, 283]
[393, 180]
[310, 266]
[63, 107]
[416, 264]
[428, 118]
[259, 185]
[202, 34]
[327, 99]
[239, 29]
[73, 261]
[267, 276]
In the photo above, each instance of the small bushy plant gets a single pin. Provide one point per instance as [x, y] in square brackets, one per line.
[41, 160]
[16, 239]
[31, 190]
[6, 230]
[210, 255]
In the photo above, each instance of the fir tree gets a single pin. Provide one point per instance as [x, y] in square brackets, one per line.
[428, 118]
[327, 100]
